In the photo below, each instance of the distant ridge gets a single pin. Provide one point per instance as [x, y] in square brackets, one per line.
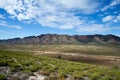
[63, 39]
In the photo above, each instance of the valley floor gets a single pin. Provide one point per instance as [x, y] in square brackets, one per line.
[50, 62]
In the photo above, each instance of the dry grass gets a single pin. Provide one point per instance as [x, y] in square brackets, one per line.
[83, 49]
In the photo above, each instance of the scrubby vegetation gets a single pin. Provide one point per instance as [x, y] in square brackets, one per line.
[2, 77]
[55, 69]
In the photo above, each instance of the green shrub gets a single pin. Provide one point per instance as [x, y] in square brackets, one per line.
[2, 77]
[59, 56]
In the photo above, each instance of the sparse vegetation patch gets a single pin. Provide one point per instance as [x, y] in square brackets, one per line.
[53, 69]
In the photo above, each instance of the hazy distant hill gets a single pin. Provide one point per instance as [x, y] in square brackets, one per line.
[63, 39]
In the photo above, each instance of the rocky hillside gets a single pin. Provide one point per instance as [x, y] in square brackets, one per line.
[63, 39]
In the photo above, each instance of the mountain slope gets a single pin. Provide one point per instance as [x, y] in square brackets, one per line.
[63, 39]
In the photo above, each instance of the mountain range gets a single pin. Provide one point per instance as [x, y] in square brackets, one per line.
[63, 39]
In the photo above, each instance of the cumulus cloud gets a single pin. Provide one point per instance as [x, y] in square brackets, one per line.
[105, 8]
[93, 28]
[52, 13]
[117, 19]
[107, 18]
[97, 28]
[5, 24]
[110, 18]
[113, 3]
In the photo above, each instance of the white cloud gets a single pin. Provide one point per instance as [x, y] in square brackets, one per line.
[107, 18]
[105, 8]
[110, 18]
[52, 13]
[93, 28]
[2, 17]
[97, 28]
[113, 3]
[5, 24]
[117, 19]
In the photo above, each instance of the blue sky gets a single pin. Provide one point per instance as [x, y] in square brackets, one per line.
[20, 18]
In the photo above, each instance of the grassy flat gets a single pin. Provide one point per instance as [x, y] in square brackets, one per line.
[112, 50]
